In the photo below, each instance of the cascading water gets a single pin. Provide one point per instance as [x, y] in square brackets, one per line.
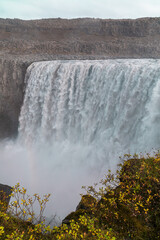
[79, 116]
[100, 104]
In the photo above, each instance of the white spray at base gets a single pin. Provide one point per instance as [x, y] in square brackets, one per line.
[76, 119]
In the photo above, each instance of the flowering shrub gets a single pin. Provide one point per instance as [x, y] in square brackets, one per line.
[23, 205]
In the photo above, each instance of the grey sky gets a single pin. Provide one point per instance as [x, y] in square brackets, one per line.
[35, 9]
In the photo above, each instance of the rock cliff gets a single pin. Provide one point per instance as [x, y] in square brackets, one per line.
[23, 42]
[108, 38]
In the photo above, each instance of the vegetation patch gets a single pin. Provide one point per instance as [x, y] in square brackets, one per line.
[125, 206]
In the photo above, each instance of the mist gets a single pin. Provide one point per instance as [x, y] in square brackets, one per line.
[61, 170]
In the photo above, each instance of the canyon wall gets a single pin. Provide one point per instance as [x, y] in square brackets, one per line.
[109, 38]
[12, 74]
[23, 42]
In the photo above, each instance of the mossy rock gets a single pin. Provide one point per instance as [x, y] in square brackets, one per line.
[73, 216]
[85, 206]
[87, 202]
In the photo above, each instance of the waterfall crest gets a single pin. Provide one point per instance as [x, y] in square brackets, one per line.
[104, 104]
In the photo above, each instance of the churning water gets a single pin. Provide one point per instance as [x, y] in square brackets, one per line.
[76, 119]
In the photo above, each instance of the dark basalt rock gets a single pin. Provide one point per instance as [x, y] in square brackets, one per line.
[5, 195]
[73, 215]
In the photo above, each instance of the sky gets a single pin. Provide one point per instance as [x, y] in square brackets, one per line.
[116, 9]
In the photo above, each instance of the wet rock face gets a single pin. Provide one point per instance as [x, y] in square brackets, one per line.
[11, 95]
[23, 42]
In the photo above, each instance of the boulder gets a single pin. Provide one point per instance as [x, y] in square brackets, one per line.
[5, 195]
[84, 206]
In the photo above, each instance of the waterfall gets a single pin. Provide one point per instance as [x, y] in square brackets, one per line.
[106, 105]
[77, 118]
